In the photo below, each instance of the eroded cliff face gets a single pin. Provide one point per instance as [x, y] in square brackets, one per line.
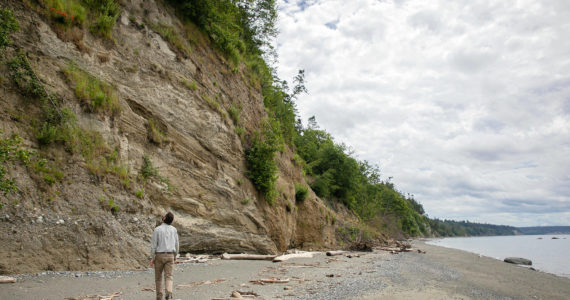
[71, 223]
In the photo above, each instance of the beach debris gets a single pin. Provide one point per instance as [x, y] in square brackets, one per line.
[146, 289]
[422, 252]
[398, 248]
[205, 282]
[351, 255]
[239, 295]
[518, 261]
[315, 265]
[287, 288]
[362, 246]
[96, 297]
[285, 257]
[188, 258]
[7, 279]
[270, 280]
[555, 238]
[248, 256]
[335, 253]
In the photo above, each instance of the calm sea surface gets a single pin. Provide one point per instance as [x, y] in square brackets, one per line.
[547, 254]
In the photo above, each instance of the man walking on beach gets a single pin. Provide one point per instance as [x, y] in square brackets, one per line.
[163, 251]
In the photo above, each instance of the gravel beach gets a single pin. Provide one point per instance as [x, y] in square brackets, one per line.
[440, 273]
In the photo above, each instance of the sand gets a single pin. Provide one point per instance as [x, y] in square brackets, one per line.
[440, 273]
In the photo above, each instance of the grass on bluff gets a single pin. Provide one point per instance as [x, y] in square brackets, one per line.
[168, 33]
[99, 16]
[98, 95]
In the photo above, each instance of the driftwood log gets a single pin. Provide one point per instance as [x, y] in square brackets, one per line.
[7, 279]
[285, 257]
[248, 256]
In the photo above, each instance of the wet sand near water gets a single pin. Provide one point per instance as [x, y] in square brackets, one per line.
[440, 273]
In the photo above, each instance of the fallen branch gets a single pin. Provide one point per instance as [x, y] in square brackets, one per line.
[276, 280]
[248, 256]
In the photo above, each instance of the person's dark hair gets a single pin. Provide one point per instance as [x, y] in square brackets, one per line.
[168, 218]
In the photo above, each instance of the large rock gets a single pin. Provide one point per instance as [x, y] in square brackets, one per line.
[518, 261]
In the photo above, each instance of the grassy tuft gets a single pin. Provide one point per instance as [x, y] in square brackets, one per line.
[235, 113]
[98, 95]
[169, 34]
[155, 134]
[190, 85]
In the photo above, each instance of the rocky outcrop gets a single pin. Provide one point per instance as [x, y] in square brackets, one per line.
[107, 220]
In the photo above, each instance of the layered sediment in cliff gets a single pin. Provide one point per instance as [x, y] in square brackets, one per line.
[175, 112]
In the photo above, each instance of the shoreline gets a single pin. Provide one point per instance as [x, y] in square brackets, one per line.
[440, 273]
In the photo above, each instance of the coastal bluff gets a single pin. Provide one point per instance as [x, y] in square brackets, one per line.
[172, 142]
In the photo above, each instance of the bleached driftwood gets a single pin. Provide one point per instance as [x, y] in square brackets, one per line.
[333, 253]
[285, 257]
[248, 256]
[7, 279]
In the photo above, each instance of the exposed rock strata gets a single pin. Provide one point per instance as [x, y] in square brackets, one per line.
[217, 209]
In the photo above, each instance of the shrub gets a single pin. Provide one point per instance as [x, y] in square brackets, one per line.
[24, 77]
[66, 12]
[10, 151]
[8, 24]
[262, 169]
[107, 13]
[147, 170]
[301, 192]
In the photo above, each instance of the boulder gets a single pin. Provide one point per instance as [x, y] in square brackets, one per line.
[518, 261]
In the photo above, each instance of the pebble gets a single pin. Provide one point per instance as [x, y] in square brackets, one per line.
[40, 219]
[60, 221]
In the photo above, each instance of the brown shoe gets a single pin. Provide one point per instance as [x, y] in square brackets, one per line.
[168, 296]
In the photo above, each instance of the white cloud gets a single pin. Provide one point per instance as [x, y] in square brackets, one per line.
[465, 103]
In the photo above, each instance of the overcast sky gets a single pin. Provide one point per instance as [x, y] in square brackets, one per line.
[466, 104]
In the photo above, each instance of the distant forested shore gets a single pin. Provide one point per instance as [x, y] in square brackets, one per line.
[449, 228]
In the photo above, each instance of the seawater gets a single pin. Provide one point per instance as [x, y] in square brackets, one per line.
[547, 254]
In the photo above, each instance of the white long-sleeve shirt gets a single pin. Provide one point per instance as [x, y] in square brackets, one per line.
[164, 239]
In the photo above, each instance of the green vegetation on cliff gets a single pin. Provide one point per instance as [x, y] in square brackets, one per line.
[243, 30]
[335, 174]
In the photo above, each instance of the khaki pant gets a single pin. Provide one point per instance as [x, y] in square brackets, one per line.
[163, 263]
